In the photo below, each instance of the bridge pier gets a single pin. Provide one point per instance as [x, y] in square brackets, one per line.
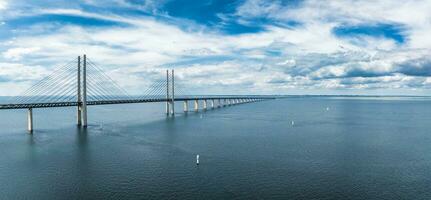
[79, 114]
[186, 106]
[212, 103]
[30, 120]
[196, 105]
[205, 104]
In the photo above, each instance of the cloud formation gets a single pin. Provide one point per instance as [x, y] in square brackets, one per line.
[250, 46]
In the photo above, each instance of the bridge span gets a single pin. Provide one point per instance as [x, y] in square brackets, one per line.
[83, 83]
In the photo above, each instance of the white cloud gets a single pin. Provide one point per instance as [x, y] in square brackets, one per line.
[134, 55]
[18, 53]
[3, 4]
[22, 72]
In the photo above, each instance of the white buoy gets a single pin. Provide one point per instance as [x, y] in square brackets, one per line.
[327, 108]
[197, 159]
[293, 123]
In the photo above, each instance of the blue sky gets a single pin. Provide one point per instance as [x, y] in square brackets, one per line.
[225, 46]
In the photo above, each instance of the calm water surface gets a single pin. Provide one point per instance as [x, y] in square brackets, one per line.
[338, 148]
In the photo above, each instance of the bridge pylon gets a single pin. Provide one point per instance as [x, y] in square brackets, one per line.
[170, 93]
[79, 109]
[82, 92]
[173, 94]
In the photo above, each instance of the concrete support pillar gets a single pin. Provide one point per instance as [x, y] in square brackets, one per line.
[196, 105]
[167, 93]
[212, 103]
[186, 106]
[173, 94]
[78, 89]
[219, 103]
[84, 92]
[205, 104]
[30, 120]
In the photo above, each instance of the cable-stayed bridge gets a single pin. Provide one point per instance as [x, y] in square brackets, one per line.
[82, 83]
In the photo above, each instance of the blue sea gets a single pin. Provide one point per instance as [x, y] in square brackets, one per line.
[303, 147]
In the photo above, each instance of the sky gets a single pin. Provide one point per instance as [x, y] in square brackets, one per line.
[344, 47]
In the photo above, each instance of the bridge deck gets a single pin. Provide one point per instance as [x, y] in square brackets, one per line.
[124, 101]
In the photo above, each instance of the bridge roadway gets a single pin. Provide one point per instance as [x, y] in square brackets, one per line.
[126, 101]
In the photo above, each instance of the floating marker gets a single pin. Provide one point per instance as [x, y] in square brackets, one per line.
[197, 159]
[327, 108]
[293, 123]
